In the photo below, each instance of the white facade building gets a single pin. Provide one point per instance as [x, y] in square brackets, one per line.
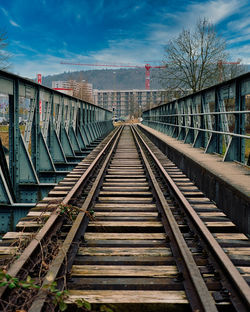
[82, 90]
[130, 103]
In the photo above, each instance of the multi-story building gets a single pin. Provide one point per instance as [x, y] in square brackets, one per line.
[82, 90]
[124, 103]
[130, 103]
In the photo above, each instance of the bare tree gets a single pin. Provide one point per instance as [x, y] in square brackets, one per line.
[191, 59]
[4, 55]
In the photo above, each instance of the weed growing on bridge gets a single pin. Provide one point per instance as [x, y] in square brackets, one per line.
[13, 282]
[58, 296]
[26, 287]
[81, 303]
[86, 306]
[71, 212]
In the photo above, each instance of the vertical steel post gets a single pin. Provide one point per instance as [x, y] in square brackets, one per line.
[239, 128]
[35, 152]
[86, 115]
[50, 136]
[14, 137]
[218, 125]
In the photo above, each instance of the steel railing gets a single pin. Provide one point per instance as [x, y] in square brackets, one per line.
[216, 119]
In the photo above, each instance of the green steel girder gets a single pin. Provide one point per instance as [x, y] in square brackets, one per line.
[87, 134]
[11, 214]
[27, 173]
[236, 146]
[74, 140]
[58, 134]
[6, 189]
[81, 138]
[46, 162]
[5, 193]
[89, 130]
[56, 149]
[66, 143]
[200, 138]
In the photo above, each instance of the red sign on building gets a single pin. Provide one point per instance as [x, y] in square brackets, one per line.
[39, 78]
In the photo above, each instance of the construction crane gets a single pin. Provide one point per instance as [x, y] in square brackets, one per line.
[147, 69]
[220, 63]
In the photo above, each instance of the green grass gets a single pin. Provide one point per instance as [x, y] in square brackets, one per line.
[247, 150]
[4, 134]
[4, 128]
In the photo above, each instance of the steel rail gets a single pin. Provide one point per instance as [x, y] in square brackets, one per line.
[71, 237]
[197, 292]
[240, 285]
[51, 222]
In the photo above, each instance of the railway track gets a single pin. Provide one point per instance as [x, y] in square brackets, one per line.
[128, 231]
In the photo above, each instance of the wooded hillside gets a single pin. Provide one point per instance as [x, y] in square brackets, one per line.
[109, 78]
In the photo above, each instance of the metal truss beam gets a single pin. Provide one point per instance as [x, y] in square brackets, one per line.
[49, 132]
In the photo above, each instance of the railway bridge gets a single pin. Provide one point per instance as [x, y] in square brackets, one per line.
[147, 217]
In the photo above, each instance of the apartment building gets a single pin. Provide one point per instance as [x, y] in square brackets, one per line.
[130, 103]
[81, 90]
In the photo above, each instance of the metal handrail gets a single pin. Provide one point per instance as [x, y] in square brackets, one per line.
[202, 114]
[204, 130]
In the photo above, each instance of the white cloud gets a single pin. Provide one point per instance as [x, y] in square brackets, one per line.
[139, 6]
[239, 25]
[14, 23]
[127, 51]
[130, 52]
[160, 33]
[238, 30]
[216, 11]
[4, 53]
[172, 23]
[239, 39]
[22, 46]
[45, 65]
[6, 13]
[241, 53]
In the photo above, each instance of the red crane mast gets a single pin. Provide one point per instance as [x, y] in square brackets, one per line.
[220, 63]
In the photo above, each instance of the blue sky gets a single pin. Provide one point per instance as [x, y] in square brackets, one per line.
[42, 33]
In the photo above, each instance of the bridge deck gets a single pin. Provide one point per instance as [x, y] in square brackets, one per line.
[122, 239]
[219, 180]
